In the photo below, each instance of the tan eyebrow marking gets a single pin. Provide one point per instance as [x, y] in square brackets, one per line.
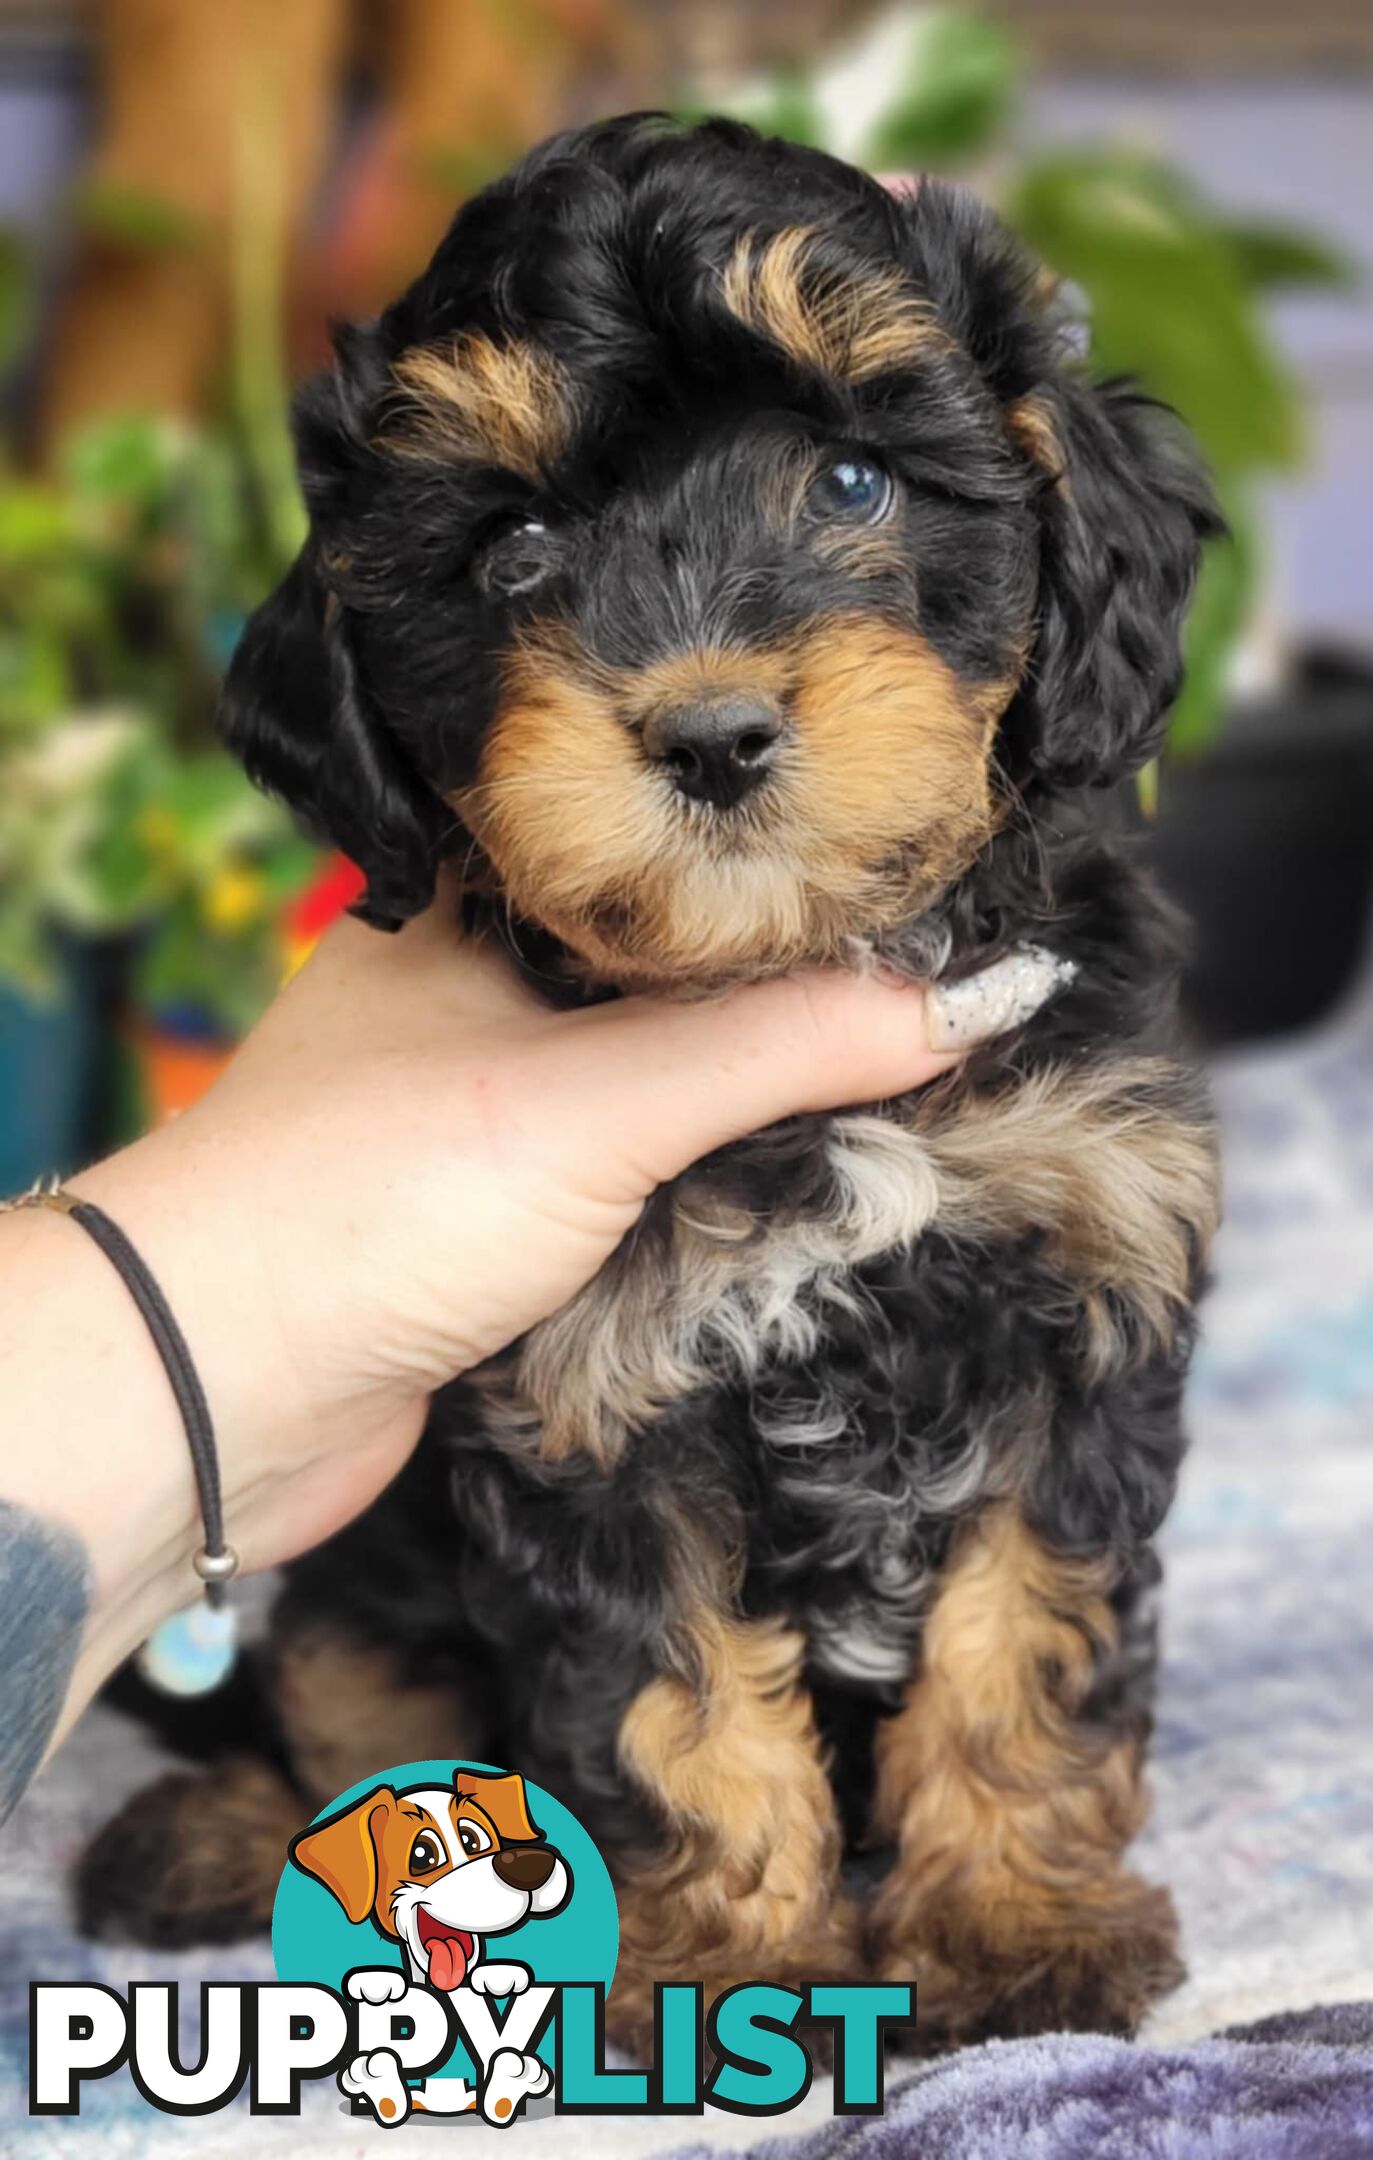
[1030, 425]
[848, 326]
[496, 404]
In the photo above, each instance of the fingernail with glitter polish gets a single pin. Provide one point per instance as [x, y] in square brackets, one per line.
[1003, 996]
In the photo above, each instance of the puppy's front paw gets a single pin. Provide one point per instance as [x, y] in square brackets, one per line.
[191, 1860]
[512, 2079]
[508, 1979]
[1100, 1980]
[1079, 1970]
[376, 2079]
[376, 1984]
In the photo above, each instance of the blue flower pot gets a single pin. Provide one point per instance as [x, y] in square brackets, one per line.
[48, 1054]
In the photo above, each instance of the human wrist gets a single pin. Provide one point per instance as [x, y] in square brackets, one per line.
[93, 1441]
[215, 1242]
[158, 1196]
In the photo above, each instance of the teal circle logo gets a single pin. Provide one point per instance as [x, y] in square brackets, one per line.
[444, 1873]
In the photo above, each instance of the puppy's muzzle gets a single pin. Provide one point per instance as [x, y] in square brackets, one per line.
[524, 1867]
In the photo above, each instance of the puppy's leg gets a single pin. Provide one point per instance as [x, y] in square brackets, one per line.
[197, 1858]
[745, 1884]
[1012, 1795]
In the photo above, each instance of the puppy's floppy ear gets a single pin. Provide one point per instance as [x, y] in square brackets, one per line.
[342, 1853]
[295, 712]
[502, 1795]
[1124, 501]
[1124, 507]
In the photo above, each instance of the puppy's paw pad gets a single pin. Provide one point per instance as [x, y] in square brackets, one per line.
[512, 2079]
[376, 2079]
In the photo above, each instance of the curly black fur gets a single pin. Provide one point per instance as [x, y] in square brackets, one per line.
[364, 693]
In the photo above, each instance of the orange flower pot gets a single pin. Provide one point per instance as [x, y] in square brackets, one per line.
[173, 1070]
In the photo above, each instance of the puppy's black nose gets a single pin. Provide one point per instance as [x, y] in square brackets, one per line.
[524, 1867]
[716, 751]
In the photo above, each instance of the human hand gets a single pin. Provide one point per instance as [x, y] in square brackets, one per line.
[412, 1160]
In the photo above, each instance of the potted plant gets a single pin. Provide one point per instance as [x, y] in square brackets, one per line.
[125, 831]
[56, 919]
[123, 827]
[224, 868]
[1262, 809]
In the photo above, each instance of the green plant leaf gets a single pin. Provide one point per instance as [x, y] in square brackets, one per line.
[135, 217]
[36, 523]
[962, 72]
[35, 680]
[1271, 257]
[1169, 304]
[229, 980]
[784, 104]
[1220, 609]
[28, 957]
[131, 465]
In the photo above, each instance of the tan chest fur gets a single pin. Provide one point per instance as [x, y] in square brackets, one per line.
[1121, 1185]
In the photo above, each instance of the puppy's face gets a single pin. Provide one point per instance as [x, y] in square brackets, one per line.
[703, 549]
[439, 1868]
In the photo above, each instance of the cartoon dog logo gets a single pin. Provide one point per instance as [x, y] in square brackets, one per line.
[438, 1869]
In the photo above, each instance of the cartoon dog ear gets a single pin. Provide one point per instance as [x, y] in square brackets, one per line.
[295, 712]
[1124, 508]
[342, 1853]
[502, 1796]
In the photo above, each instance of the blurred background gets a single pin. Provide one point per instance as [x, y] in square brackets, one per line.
[191, 189]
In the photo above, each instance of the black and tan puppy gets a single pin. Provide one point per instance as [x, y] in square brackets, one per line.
[726, 566]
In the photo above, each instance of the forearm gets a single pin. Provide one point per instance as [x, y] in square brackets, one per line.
[102, 1511]
[97, 1500]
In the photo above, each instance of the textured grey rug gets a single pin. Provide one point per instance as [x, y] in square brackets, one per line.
[1304, 2094]
[1263, 1822]
[1264, 1779]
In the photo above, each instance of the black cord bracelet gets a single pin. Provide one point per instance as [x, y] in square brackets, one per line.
[216, 1563]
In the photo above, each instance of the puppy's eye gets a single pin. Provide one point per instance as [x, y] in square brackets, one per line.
[516, 558]
[426, 1854]
[473, 1839]
[856, 489]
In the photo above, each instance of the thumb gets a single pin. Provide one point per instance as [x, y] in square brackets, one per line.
[652, 1085]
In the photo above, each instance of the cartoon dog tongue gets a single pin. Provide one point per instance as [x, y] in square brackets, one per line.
[448, 1956]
